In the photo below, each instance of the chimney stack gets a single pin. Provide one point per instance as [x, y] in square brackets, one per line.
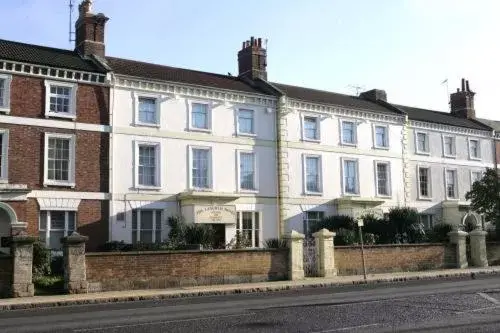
[252, 59]
[462, 102]
[374, 95]
[89, 30]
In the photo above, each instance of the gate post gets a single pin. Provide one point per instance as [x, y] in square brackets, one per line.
[22, 261]
[75, 271]
[478, 253]
[458, 238]
[325, 259]
[296, 255]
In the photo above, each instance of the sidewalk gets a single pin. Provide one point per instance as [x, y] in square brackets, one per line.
[156, 294]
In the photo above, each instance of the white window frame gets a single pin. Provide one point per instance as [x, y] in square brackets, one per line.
[389, 183]
[429, 182]
[454, 145]
[304, 174]
[72, 104]
[48, 229]
[5, 108]
[479, 157]
[158, 178]
[138, 230]
[428, 147]
[481, 172]
[387, 139]
[355, 123]
[429, 219]
[318, 127]
[240, 226]
[357, 192]
[4, 173]
[157, 98]
[72, 162]
[238, 132]
[457, 195]
[255, 173]
[210, 169]
[209, 116]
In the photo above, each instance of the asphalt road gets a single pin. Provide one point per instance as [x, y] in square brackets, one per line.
[417, 306]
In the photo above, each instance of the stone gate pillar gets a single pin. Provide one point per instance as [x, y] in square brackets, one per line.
[478, 254]
[22, 261]
[458, 238]
[75, 271]
[296, 255]
[325, 260]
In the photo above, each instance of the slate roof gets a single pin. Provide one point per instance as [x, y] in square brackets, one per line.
[48, 56]
[173, 74]
[495, 124]
[440, 118]
[327, 97]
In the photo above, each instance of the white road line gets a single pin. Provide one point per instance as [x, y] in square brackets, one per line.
[477, 310]
[348, 328]
[489, 298]
[160, 322]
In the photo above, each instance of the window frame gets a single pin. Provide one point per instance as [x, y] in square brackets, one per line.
[139, 229]
[210, 168]
[72, 104]
[158, 173]
[387, 139]
[481, 174]
[429, 182]
[454, 145]
[355, 134]
[72, 160]
[255, 171]
[5, 108]
[320, 174]
[456, 190]
[209, 116]
[48, 228]
[254, 120]
[318, 128]
[428, 147]
[388, 180]
[475, 158]
[157, 98]
[429, 220]
[344, 192]
[4, 172]
[239, 226]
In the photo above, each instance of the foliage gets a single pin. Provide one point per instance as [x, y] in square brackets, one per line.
[485, 197]
[49, 284]
[383, 231]
[439, 233]
[116, 246]
[276, 243]
[202, 234]
[41, 260]
[369, 238]
[346, 237]
[405, 222]
[334, 223]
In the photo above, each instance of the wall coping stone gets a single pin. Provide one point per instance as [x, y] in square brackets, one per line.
[74, 238]
[390, 245]
[24, 239]
[130, 253]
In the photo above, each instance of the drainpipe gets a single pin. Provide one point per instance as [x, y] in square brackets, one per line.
[110, 161]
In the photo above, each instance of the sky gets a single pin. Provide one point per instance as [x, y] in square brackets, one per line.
[406, 47]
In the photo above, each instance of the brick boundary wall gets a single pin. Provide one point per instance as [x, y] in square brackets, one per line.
[493, 253]
[166, 269]
[5, 275]
[394, 258]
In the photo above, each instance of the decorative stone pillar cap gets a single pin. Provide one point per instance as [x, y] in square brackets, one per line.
[478, 232]
[294, 235]
[457, 233]
[24, 239]
[324, 233]
[74, 238]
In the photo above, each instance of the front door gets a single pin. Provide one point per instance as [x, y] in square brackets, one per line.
[4, 230]
[220, 236]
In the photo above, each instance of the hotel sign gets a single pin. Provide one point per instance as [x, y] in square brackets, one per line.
[215, 214]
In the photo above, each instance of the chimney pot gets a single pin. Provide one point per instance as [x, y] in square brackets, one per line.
[462, 102]
[467, 85]
[259, 42]
[463, 84]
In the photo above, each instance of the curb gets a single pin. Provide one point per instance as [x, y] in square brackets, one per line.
[241, 290]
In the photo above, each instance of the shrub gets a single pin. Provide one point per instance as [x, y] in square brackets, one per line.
[439, 233]
[405, 223]
[383, 231]
[369, 238]
[276, 243]
[346, 237]
[41, 260]
[202, 234]
[334, 223]
[116, 246]
[49, 284]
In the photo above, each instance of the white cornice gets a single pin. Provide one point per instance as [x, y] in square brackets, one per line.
[193, 91]
[60, 74]
[449, 129]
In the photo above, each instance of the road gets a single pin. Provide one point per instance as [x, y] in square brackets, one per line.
[416, 306]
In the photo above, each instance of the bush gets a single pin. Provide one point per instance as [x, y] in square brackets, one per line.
[49, 284]
[334, 223]
[439, 233]
[405, 223]
[41, 260]
[276, 243]
[346, 237]
[382, 230]
[116, 246]
[202, 234]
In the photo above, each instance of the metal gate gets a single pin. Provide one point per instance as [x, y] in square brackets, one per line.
[309, 257]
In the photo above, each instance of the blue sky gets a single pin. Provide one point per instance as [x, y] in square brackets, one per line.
[407, 47]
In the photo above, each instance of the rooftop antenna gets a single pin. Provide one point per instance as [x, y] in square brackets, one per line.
[71, 31]
[356, 88]
[445, 82]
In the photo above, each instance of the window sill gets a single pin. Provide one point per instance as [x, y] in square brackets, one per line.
[381, 147]
[347, 144]
[145, 187]
[248, 191]
[426, 153]
[475, 158]
[4, 181]
[251, 135]
[202, 189]
[4, 109]
[424, 198]
[313, 194]
[60, 115]
[56, 183]
[384, 196]
[449, 156]
[311, 140]
[452, 199]
[201, 130]
[139, 124]
[350, 194]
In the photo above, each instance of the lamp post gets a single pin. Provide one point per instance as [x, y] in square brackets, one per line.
[360, 225]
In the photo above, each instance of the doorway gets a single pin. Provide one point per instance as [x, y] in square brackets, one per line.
[220, 236]
[5, 230]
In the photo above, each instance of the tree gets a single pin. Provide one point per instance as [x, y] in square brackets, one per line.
[485, 197]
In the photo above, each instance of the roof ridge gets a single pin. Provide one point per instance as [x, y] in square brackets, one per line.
[48, 48]
[319, 90]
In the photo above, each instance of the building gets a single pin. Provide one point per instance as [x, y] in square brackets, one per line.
[119, 146]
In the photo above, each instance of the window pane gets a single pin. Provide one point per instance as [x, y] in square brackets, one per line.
[474, 148]
[57, 220]
[158, 236]
[43, 220]
[55, 239]
[2, 92]
[312, 174]
[134, 219]
[200, 168]
[448, 145]
[58, 159]
[450, 183]
[199, 116]
[146, 236]
[146, 220]
[134, 237]
[147, 110]
[424, 181]
[42, 235]
[381, 136]
[348, 132]
[247, 171]
[158, 222]
[147, 165]
[71, 222]
[422, 141]
[60, 99]
[311, 128]
[350, 177]
[382, 179]
[256, 230]
[246, 121]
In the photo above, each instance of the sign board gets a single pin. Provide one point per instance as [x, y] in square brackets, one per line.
[361, 222]
[215, 214]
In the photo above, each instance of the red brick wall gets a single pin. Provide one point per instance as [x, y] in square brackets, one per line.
[143, 270]
[498, 151]
[393, 258]
[26, 158]
[28, 100]
[5, 275]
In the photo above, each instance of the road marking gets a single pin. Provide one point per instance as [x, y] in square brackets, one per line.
[489, 298]
[476, 310]
[160, 322]
[348, 328]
